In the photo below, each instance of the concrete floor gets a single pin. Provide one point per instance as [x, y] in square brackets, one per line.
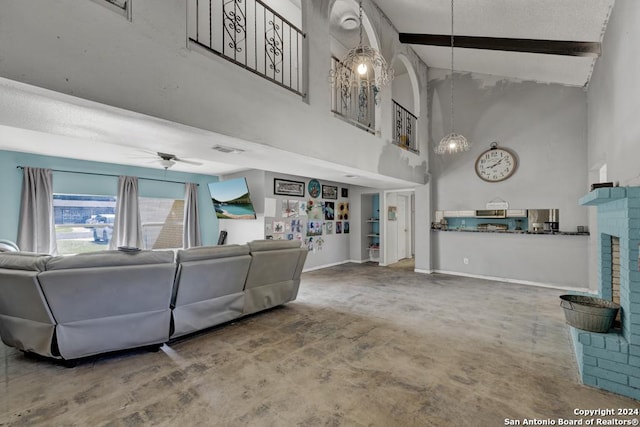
[362, 346]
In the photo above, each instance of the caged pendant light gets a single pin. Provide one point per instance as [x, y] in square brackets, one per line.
[454, 142]
[363, 67]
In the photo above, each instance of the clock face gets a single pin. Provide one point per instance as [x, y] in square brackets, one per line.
[496, 164]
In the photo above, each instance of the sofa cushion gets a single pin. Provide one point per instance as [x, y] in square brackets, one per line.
[23, 261]
[109, 259]
[270, 245]
[211, 252]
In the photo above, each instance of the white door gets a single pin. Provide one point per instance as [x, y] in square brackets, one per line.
[402, 227]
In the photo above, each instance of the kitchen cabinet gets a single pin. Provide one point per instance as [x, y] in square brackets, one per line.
[459, 214]
[516, 213]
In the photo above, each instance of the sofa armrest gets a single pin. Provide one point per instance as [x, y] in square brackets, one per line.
[26, 322]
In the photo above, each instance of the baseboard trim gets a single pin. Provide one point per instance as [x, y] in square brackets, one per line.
[517, 281]
[418, 270]
[320, 267]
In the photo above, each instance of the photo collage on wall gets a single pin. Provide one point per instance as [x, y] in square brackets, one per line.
[308, 220]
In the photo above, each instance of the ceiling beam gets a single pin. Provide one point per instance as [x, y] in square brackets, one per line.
[547, 47]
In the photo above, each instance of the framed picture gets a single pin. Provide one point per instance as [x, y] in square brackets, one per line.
[314, 188]
[329, 192]
[343, 211]
[314, 228]
[328, 208]
[392, 213]
[344, 192]
[285, 187]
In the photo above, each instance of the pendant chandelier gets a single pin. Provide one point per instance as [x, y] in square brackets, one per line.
[363, 67]
[454, 142]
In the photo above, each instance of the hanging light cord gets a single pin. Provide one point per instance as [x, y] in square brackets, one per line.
[452, 44]
[360, 21]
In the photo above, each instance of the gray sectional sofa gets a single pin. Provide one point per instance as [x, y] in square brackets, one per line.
[73, 307]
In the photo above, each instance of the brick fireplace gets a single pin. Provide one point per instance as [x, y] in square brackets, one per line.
[611, 361]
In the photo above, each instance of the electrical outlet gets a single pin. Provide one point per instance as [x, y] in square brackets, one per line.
[465, 260]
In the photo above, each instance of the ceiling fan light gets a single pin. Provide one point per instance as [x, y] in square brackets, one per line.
[166, 163]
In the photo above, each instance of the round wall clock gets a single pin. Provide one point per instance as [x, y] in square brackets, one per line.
[314, 188]
[496, 164]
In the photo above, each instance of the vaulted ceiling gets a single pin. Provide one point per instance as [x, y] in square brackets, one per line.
[567, 20]
[38, 121]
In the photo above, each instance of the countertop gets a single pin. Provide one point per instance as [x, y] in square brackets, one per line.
[544, 233]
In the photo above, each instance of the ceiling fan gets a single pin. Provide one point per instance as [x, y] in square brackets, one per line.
[167, 160]
[549, 47]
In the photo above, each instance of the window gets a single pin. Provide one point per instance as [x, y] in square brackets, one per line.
[83, 223]
[162, 222]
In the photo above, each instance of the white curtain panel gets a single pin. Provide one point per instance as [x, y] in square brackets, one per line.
[36, 230]
[127, 227]
[191, 230]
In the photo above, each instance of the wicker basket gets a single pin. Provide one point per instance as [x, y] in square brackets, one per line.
[589, 313]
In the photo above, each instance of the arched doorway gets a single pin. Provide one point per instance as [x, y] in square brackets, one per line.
[405, 92]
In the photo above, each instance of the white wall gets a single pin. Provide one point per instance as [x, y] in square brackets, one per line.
[528, 258]
[546, 126]
[290, 11]
[422, 226]
[86, 50]
[335, 249]
[613, 106]
[614, 128]
[403, 92]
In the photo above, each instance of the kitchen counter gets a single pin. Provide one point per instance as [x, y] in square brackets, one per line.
[545, 233]
[557, 259]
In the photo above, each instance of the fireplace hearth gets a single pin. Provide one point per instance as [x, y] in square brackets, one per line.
[611, 361]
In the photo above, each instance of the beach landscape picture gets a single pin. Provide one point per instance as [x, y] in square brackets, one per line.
[231, 199]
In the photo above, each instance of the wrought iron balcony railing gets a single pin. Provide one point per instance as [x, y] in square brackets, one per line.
[252, 35]
[354, 104]
[404, 128]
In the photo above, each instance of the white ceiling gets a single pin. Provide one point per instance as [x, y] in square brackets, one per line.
[569, 20]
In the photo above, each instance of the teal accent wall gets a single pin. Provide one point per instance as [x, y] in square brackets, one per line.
[472, 222]
[11, 186]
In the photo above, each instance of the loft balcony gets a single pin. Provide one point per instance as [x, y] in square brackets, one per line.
[355, 105]
[250, 34]
[404, 128]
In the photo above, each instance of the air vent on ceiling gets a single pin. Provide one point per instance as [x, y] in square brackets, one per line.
[227, 150]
